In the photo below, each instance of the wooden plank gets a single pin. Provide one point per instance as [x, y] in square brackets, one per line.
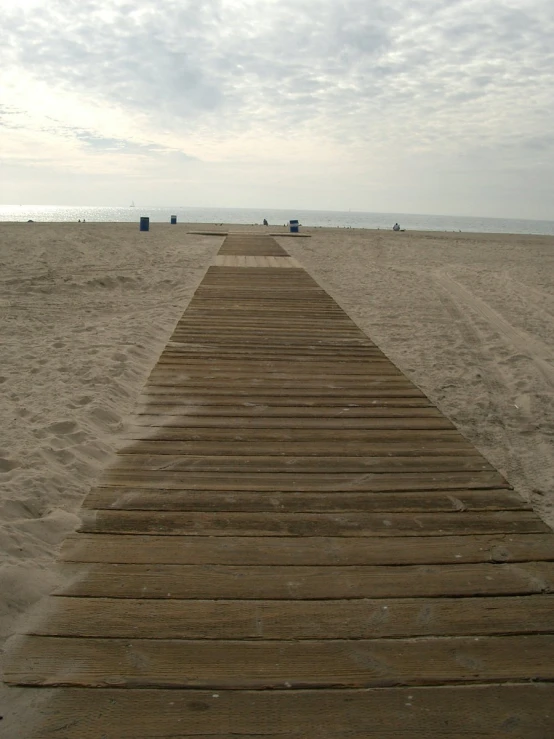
[386, 419]
[260, 359]
[147, 663]
[306, 406]
[301, 395]
[169, 463]
[320, 317]
[522, 711]
[298, 339]
[264, 309]
[291, 333]
[170, 374]
[321, 348]
[206, 302]
[358, 524]
[402, 397]
[305, 482]
[426, 501]
[302, 582]
[264, 367]
[307, 329]
[292, 297]
[266, 619]
[455, 447]
[292, 364]
[320, 551]
[161, 382]
[400, 408]
[237, 358]
[323, 436]
[260, 322]
[316, 347]
[308, 338]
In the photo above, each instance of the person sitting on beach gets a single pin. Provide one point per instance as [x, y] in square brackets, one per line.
[265, 222]
[396, 227]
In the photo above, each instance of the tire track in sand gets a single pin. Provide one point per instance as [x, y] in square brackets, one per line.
[523, 469]
[524, 343]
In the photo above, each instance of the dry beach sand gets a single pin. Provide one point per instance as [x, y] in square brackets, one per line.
[85, 310]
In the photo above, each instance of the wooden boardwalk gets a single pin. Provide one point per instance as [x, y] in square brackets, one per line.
[293, 543]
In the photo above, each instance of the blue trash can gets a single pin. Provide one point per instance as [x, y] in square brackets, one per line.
[293, 226]
[173, 220]
[144, 223]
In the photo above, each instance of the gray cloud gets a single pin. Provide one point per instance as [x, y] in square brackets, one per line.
[283, 65]
[455, 78]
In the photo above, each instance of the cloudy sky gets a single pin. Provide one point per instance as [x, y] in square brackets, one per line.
[421, 106]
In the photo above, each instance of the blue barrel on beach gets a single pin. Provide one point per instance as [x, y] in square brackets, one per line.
[173, 220]
[293, 227]
[144, 223]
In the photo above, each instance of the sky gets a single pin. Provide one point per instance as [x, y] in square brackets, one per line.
[414, 106]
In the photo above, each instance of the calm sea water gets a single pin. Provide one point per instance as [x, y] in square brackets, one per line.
[340, 219]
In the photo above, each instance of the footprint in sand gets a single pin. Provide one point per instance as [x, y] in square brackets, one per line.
[63, 427]
[105, 418]
[7, 465]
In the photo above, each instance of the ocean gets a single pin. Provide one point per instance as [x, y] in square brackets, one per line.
[311, 218]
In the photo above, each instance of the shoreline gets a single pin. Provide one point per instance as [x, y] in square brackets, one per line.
[249, 227]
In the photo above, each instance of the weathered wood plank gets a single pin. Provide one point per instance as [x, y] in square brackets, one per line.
[284, 350]
[524, 711]
[241, 319]
[285, 329]
[168, 463]
[323, 436]
[163, 376]
[456, 447]
[397, 397]
[172, 387]
[317, 551]
[307, 482]
[230, 523]
[147, 663]
[423, 502]
[263, 361]
[266, 619]
[302, 582]
[382, 419]
[147, 424]
[401, 408]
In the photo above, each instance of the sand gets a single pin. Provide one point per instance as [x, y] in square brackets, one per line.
[85, 310]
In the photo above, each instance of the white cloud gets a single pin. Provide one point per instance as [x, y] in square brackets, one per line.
[449, 91]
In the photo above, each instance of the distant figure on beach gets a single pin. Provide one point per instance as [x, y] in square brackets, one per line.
[265, 222]
[396, 227]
